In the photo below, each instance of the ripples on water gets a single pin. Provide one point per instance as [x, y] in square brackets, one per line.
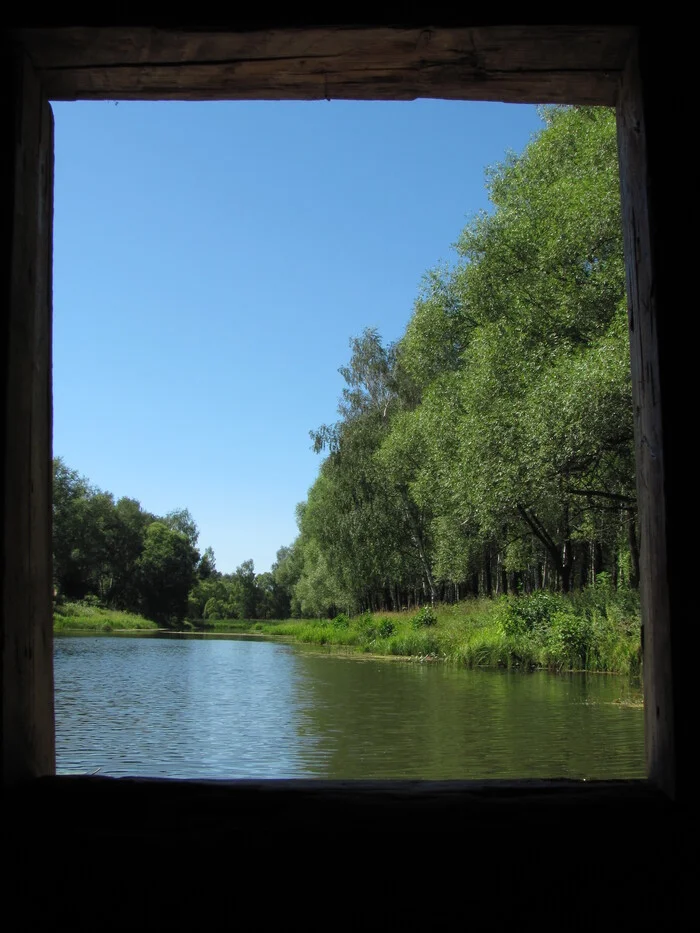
[238, 708]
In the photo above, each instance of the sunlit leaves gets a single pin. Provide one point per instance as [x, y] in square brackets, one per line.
[498, 430]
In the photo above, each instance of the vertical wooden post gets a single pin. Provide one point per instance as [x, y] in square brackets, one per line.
[656, 365]
[25, 568]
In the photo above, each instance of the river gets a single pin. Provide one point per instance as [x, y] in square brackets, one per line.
[237, 707]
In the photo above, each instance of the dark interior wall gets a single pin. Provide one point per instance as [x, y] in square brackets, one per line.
[521, 858]
[137, 855]
[25, 578]
[663, 65]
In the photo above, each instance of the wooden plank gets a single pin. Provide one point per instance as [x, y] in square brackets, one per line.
[579, 64]
[508, 48]
[27, 640]
[223, 82]
[650, 381]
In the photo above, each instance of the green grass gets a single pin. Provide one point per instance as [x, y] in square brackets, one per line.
[597, 630]
[85, 617]
[238, 626]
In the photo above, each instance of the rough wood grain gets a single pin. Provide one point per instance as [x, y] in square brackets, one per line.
[27, 640]
[574, 64]
[648, 390]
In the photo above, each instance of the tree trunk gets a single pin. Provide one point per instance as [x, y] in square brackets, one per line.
[562, 557]
[488, 581]
[420, 544]
[504, 582]
[566, 577]
[567, 553]
[598, 557]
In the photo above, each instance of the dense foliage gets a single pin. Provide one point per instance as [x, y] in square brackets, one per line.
[114, 554]
[594, 629]
[489, 451]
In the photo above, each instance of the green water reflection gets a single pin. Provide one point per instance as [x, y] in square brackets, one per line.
[412, 720]
[242, 708]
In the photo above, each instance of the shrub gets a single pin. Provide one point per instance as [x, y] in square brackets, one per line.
[522, 615]
[570, 637]
[618, 603]
[212, 609]
[424, 617]
[385, 628]
[341, 621]
[366, 627]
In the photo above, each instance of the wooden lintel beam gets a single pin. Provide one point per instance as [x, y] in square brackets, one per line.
[558, 64]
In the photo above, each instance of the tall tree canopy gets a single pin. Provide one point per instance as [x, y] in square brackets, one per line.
[491, 447]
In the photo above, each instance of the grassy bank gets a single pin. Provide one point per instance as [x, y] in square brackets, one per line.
[85, 617]
[594, 630]
[235, 626]
[597, 630]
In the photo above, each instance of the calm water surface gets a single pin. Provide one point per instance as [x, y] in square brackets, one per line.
[248, 708]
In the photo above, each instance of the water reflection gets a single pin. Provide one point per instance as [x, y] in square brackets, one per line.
[247, 708]
[379, 719]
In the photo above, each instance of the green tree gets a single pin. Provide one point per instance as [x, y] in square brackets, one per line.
[206, 568]
[181, 520]
[286, 571]
[246, 597]
[491, 447]
[71, 497]
[166, 573]
[125, 547]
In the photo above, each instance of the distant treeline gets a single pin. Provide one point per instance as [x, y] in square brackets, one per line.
[488, 451]
[129, 559]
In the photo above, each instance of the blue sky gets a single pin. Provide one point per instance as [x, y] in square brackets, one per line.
[212, 261]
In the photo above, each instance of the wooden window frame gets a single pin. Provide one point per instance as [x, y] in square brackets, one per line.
[603, 65]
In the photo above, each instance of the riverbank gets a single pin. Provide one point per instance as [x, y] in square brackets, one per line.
[594, 631]
[85, 617]
[597, 630]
